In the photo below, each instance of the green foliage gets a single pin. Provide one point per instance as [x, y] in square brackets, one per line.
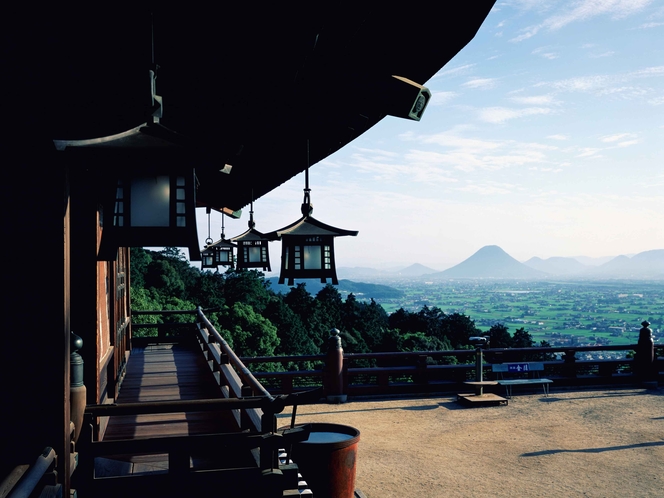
[500, 336]
[256, 321]
[250, 333]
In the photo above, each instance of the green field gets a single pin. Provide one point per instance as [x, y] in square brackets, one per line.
[559, 312]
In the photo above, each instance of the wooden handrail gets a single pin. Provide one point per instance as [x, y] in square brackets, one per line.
[247, 377]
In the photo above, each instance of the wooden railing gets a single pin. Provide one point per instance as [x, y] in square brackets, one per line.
[408, 372]
[427, 371]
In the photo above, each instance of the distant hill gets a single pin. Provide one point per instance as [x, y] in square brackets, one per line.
[490, 262]
[557, 265]
[647, 264]
[357, 272]
[415, 270]
[494, 262]
[360, 289]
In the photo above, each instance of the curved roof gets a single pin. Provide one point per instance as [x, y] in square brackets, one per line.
[247, 86]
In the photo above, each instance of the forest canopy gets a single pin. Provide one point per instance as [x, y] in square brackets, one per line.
[256, 321]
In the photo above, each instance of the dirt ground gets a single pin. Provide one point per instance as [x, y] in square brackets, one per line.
[607, 443]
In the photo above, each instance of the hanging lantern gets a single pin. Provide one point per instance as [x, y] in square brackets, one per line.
[307, 245]
[207, 255]
[252, 250]
[148, 185]
[219, 253]
[151, 210]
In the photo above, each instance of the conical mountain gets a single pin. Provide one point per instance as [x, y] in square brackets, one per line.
[490, 262]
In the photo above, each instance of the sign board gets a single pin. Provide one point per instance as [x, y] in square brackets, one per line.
[517, 367]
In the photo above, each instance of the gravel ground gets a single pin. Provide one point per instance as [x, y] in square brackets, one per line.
[595, 443]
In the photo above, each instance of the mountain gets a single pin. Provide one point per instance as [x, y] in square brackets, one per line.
[359, 272]
[557, 265]
[490, 262]
[360, 289]
[647, 264]
[414, 270]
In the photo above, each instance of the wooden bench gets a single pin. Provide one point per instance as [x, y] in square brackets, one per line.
[518, 374]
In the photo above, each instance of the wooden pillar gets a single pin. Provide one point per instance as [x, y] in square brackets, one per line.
[34, 356]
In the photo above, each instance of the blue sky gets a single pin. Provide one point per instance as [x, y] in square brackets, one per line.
[545, 136]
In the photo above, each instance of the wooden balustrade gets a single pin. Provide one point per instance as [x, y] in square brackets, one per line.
[409, 372]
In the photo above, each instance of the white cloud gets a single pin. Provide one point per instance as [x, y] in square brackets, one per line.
[441, 98]
[627, 143]
[608, 53]
[617, 137]
[499, 115]
[583, 10]
[455, 71]
[649, 25]
[588, 152]
[482, 83]
[656, 101]
[558, 137]
[487, 189]
[471, 154]
[534, 100]
[546, 53]
[608, 84]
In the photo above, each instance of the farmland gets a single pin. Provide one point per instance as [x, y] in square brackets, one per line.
[565, 312]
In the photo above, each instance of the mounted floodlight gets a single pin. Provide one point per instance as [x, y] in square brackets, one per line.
[407, 99]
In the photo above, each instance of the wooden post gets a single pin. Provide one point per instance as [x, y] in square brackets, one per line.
[644, 359]
[569, 368]
[334, 367]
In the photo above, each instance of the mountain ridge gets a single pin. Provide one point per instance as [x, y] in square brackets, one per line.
[493, 262]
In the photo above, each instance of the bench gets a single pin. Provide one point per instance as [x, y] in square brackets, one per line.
[519, 374]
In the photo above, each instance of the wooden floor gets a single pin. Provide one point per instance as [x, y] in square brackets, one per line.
[164, 372]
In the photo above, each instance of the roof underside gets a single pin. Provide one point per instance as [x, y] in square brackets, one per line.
[250, 86]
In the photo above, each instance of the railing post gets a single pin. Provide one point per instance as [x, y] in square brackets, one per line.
[569, 367]
[421, 376]
[644, 359]
[334, 369]
[76, 386]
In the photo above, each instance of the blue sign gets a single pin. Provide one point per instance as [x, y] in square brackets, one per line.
[517, 367]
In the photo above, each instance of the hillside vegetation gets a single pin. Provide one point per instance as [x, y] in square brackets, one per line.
[256, 321]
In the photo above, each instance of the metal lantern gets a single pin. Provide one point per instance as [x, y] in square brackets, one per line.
[148, 189]
[307, 246]
[252, 247]
[219, 253]
[152, 210]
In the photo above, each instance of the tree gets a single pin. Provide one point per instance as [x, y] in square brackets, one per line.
[293, 337]
[248, 287]
[250, 333]
[522, 339]
[500, 336]
[459, 329]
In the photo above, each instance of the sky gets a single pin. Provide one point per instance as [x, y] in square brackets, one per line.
[544, 136]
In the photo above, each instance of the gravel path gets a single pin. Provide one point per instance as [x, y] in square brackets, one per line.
[607, 443]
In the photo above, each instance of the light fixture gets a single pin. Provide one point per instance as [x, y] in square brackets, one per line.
[148, 184]
[219, 253]
[151, 208]
[252, 247]
[307, 245]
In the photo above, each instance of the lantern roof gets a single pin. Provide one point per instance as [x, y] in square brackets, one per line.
[220, 243]
[308, 225]
[251, 234]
